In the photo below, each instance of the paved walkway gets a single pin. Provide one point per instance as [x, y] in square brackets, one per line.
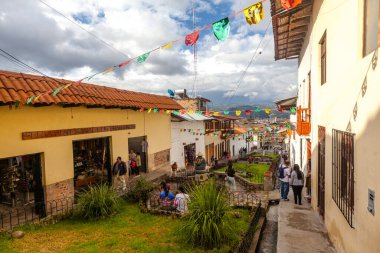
[300, 229]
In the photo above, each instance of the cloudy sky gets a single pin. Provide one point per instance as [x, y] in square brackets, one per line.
[41, 37]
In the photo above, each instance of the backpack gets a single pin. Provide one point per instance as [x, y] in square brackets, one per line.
[281, 171]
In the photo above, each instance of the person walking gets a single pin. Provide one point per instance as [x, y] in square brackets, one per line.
[231, 177]
[120, 170]
[138, 163]
[284, 175]
[296, 181]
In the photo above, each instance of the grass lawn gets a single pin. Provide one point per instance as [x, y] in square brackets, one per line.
[128, 231]
[257, 170]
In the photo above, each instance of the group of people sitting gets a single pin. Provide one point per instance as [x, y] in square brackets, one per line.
[171, 202]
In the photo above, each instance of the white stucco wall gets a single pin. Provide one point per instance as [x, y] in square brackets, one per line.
[332, 107]
[179, 138]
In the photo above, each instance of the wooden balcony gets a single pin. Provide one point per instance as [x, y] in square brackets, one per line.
[303, 121]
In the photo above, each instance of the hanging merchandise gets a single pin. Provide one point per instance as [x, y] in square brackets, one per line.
[142, 58]
[192, 38]
[254, 13]
[221, 29]
[288, 4]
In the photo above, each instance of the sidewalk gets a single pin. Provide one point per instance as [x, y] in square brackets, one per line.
[300, 229]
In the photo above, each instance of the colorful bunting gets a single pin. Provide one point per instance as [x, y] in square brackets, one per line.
[226, 112]
[257, 110]
[142, 58]
[254, 13]
[268, 111]
[237, 113]
[221, 29]
[216, 113]
[57, 90]
[288, 4]
[149, 110]
[155, 110]
[192, 38]
[293, 110]
[247, 112]
[108, 70]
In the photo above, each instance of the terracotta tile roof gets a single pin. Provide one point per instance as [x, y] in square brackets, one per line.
[19, 87]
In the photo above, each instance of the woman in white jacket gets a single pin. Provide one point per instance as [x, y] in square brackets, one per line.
[296, 181]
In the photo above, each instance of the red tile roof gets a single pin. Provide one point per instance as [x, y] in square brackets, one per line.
[19, 87]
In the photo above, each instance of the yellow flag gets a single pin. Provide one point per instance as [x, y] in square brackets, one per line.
[216, 113]
[254, 13]
[150, 110]
[168, 111]
[38, 97]
[191, 112]
[267, 111]
[238, 113]
[107, 71]
[167, 46]
[66, 86]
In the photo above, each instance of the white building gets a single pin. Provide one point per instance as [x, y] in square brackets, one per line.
[188, 137]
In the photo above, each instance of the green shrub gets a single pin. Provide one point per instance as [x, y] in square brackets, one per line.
[206, 224]
[98, 201]
[140, 190]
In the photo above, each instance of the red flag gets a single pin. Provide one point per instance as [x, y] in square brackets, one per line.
[124, 63]
[192, 38]
[288, 4]
[281, 109]
[247, 112]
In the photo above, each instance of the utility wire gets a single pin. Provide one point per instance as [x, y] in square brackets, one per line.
[241, 78]
[84, 29]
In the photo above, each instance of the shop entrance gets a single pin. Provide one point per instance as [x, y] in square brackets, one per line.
[21, 182]
[189, 151]
[92, 162]
[139, 145]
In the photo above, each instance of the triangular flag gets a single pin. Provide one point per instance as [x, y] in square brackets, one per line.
[192, 38]
[247, 112]
[17, 103]
[221, 29]
[288, 4]
[237, 113]
[141, 109]
[38, 97]
[124, 63]
[226, 112]
[281, 109]
[293, 110]
[191, 112]
[168, 111]
[167, 46]
[67, 86]
[216, 113]
[57, 90]
[149, 110]
[254, 13]
[155, 110]
[267, 111]
[162, 111]
[108, 70]
[257, 110]
[142, 58]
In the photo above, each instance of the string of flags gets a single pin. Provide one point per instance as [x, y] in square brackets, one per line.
[237, 113]
[221, 29]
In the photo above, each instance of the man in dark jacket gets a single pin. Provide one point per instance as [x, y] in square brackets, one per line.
[120, 170]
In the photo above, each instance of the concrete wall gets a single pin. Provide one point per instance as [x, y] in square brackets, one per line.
[58, 151]
[332, 107]
[178, 138]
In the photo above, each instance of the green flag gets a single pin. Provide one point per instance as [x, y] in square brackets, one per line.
[221, 29]
[142, 58]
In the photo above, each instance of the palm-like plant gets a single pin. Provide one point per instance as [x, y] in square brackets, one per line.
[206, 224]
[98, 201]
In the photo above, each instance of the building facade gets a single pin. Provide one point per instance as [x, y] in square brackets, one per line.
[337, 48]
[64, 142]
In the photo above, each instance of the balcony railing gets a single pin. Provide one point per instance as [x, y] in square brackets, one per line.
[303, 121]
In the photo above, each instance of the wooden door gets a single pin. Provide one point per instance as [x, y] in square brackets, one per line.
[321, 170]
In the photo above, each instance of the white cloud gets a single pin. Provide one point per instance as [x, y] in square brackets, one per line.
[34, 33]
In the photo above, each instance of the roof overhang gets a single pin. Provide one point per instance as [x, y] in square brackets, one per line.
[287, 103]
[290, 28]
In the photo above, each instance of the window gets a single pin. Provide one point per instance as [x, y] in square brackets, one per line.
[343, 173]
[371, 38]
[323, 59]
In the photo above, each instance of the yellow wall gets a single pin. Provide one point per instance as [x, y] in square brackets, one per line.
[58, 151]
[332, 107]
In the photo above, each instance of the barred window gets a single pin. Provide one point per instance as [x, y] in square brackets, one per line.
[343, 172]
